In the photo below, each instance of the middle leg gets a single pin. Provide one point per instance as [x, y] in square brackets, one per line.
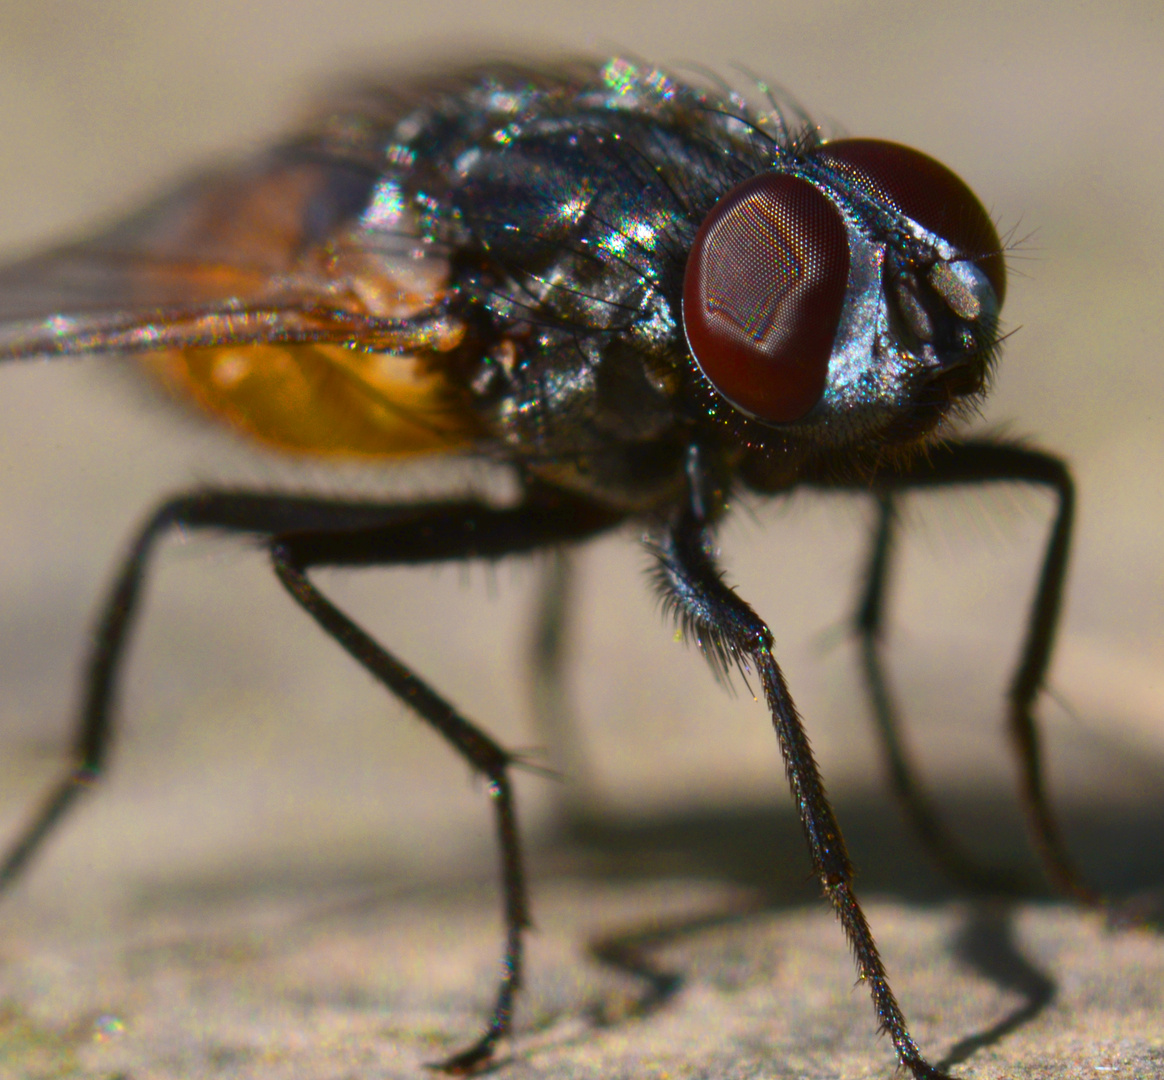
[450, 532]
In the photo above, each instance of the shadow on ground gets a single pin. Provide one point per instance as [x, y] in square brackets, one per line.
[759, 852]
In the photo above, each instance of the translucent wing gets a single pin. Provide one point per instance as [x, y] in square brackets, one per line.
[278, 249]
[291, 295]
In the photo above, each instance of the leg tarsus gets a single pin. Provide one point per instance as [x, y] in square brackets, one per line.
[480, 1055]
[60, 798]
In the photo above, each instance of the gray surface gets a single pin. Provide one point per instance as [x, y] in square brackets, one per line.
[285, 877]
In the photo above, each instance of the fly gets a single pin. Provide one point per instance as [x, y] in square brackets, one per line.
[647, 299]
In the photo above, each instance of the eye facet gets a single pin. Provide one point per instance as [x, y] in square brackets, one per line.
[762, 295]
[926, 191]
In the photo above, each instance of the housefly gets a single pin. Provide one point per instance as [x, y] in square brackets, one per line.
[646, 298]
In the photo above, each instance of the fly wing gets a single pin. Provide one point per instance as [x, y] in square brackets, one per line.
[291, 297]
[288, 247]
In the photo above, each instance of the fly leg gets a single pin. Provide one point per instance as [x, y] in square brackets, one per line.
[976, 462]
[918, 808]
[229, 511]
[731, 634]
[316, 531]
[456, 531]
[549, 645]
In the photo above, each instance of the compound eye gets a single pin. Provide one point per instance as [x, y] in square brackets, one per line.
[926, 191]
[762, 295]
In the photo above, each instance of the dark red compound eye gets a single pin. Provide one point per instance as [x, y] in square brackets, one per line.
[762, 295]
[926, 191]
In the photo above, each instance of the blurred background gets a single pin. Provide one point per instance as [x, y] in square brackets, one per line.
[253, 753]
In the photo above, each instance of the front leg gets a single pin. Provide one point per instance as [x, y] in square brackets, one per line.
[983, 462]
[731, 634]
[918, 807]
